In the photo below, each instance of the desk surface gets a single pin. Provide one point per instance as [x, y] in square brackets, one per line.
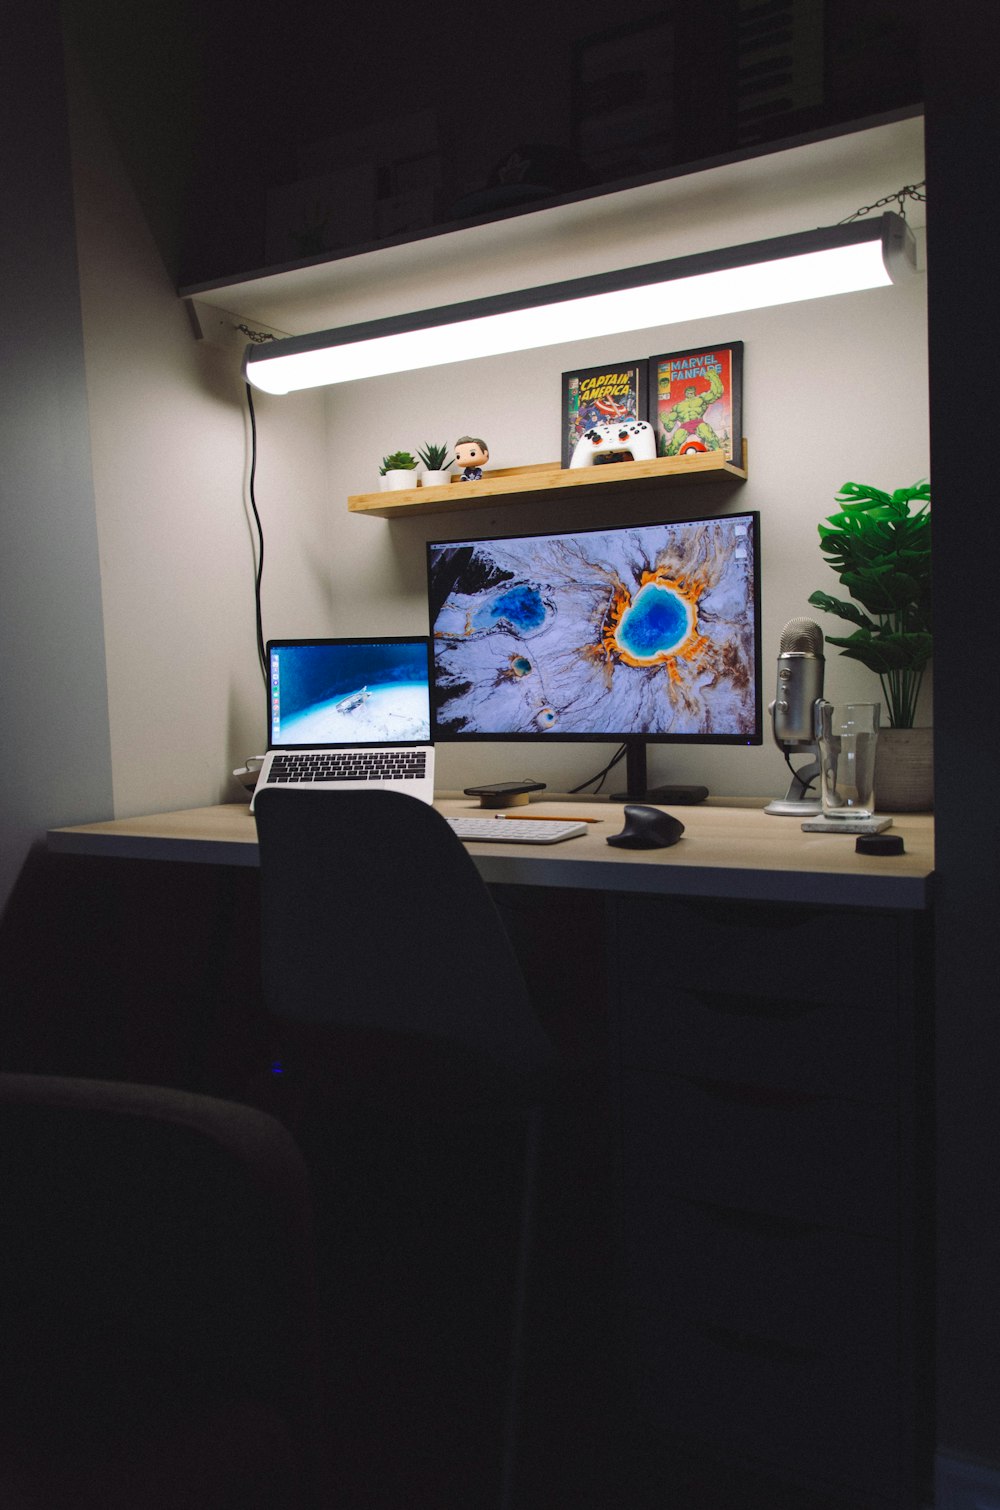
[728, 852]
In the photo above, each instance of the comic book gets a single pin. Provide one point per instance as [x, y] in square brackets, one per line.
[595, 395]
[696, 399]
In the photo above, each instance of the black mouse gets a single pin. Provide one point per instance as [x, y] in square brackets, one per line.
[647, 828]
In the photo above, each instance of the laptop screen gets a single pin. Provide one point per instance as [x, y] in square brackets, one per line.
[349, 692]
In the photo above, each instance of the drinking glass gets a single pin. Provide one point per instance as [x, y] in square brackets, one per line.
[847, 739]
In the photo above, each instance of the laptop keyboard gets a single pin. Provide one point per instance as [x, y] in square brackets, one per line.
[348, 765]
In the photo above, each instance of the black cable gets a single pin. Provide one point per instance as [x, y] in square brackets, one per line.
[261, 653]
[599, 777]
[803, 786]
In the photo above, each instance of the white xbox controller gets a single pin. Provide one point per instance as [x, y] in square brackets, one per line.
[625, 440]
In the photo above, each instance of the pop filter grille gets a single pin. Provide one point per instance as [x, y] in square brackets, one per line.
[803, 636]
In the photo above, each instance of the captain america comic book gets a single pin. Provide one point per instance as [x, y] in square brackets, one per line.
[601, 395]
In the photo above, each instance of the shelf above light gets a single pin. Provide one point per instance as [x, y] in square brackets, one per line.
[516, 483]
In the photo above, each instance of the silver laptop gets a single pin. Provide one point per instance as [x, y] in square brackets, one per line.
[349, 715]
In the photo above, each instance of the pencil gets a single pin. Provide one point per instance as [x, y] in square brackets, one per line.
[548, 818]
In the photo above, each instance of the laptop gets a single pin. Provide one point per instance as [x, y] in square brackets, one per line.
[349, 715]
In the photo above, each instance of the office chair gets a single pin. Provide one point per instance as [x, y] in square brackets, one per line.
[415, 1072]
[158, 1303]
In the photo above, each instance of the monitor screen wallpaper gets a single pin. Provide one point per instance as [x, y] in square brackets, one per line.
[648, 630]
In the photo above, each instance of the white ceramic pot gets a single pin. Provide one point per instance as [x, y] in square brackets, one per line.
[395, 481]
[904, 771]
[435, 479]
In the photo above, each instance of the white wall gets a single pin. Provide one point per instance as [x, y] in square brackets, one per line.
[170, 441]
[834, 390]
[57, 765]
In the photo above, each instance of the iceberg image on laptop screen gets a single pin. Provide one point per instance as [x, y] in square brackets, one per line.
[351, 693]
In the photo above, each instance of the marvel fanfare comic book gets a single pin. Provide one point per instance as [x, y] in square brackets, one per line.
[697, 401]
[600, 395]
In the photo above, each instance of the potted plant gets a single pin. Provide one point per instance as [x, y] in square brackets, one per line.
[397, 470]
[436, 464]
[879, 544]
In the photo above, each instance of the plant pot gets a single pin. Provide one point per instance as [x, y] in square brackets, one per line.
[904, 771]
[435, 479]
[394, 481]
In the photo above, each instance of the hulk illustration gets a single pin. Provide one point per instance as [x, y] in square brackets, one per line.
[686, 418]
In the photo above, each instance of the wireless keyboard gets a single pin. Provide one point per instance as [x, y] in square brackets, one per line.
[516, 830]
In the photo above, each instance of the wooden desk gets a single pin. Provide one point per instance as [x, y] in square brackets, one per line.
[754, 1010]
[731, 852]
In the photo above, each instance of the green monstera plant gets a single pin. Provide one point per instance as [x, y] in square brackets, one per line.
[879, 544]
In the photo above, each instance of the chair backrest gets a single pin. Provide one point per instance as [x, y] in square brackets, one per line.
[157, 1286]
[374, 916]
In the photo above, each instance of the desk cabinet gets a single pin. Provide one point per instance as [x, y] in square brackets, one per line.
[766, 1106]
[769, 1065]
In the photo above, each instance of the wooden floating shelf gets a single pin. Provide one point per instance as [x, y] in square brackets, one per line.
[550, 478]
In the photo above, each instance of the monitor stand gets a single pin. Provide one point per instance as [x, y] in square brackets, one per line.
[638, 791]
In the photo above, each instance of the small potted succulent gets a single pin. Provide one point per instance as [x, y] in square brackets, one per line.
[397, 470]
[437, 462]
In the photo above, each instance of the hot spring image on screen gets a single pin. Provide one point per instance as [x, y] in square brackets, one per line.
[646, 631]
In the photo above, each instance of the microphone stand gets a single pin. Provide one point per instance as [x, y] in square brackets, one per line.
[797, 801]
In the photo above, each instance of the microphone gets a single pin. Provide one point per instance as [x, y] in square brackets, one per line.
[793, 713]
[800, 682]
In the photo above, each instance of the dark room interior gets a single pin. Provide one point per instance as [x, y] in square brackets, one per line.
[138, 972]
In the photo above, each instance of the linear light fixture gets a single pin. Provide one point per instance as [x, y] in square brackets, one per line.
[837, 259]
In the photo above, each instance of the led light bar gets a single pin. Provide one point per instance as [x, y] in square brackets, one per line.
[810, 265]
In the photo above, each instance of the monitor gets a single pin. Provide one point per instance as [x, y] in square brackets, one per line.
[633, 634]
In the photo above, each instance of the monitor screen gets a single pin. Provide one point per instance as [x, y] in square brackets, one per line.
[632, 633]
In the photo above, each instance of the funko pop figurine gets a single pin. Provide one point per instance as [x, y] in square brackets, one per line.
[471, 454]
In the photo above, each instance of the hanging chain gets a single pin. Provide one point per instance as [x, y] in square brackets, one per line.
[908, 191]
[257, 336]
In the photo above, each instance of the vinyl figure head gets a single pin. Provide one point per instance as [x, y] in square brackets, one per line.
[472, 454]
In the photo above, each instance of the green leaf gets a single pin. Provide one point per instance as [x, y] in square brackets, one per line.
[433, 457]
[919, 493]
[882, 589]
[879, 546]
[861, 493]
[886, 653]
[398, 461]
[842, 610]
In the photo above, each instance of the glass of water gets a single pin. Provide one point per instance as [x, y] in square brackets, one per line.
[847, 739]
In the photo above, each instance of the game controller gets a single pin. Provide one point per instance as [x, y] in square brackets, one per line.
[626, 440]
